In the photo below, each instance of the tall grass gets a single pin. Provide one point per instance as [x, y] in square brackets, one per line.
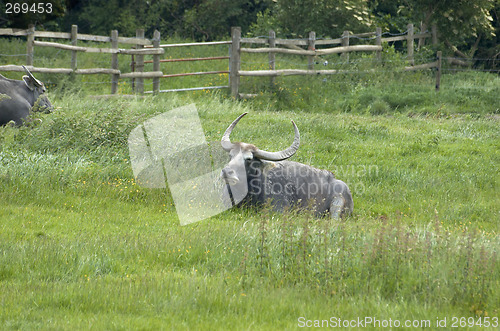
[426, 264]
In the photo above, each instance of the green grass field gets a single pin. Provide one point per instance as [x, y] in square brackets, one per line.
[82, 246]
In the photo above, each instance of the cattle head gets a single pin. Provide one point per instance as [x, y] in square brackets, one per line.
[245, 159]
[36, 93]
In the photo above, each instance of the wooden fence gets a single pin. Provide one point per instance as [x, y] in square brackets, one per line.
[152, 47]
[313, 52]
[114, 40]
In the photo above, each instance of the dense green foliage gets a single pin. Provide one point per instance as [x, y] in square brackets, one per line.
[296, 18]
[83, 246]
[472, 26]
[457, 20]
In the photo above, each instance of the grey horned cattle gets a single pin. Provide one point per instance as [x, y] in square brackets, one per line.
[19, 97]
[255, 177]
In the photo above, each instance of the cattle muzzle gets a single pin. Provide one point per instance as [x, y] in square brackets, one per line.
[229, 176]
[43, 105]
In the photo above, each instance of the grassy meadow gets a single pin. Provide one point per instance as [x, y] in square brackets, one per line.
[82, 246]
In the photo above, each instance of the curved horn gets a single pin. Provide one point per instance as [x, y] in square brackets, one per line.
[225, 141]
[282, 155]
[37, 82]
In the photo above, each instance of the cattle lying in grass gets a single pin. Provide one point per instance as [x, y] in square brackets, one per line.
[256, 177]
[19, 97]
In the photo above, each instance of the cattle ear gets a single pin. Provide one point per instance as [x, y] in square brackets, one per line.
[29, 83]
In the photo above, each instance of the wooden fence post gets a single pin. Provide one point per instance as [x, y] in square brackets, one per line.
[272, 56]
[409, 44]
[132, 69]
[30, 45]
[378, 42]
[74, 40]
[345, 42]
[438, 70]
[114, 62]
[156, 61]
[434, 34]
[139, 65]
[311, 45]
[234, 62]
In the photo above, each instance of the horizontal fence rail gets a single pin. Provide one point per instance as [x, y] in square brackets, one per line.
[336, 50]
[197, 73]
[191, 89]
[207, 43]
[148, 51]
[67, 35]
[11, 67]
[301, 42]
[193, 59]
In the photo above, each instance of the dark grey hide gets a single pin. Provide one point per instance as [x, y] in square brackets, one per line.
[18, 98]
[256, 177]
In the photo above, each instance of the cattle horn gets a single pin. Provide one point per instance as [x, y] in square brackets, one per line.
[261, 154]
[37, 82]
[281, 155]
[225, 141]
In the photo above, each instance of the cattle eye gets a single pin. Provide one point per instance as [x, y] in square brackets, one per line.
[247, 155]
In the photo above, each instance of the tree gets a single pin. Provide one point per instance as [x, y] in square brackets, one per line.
[102, 16]
[198, 19]
[210, 19]
[461, 23]
[328, 18]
